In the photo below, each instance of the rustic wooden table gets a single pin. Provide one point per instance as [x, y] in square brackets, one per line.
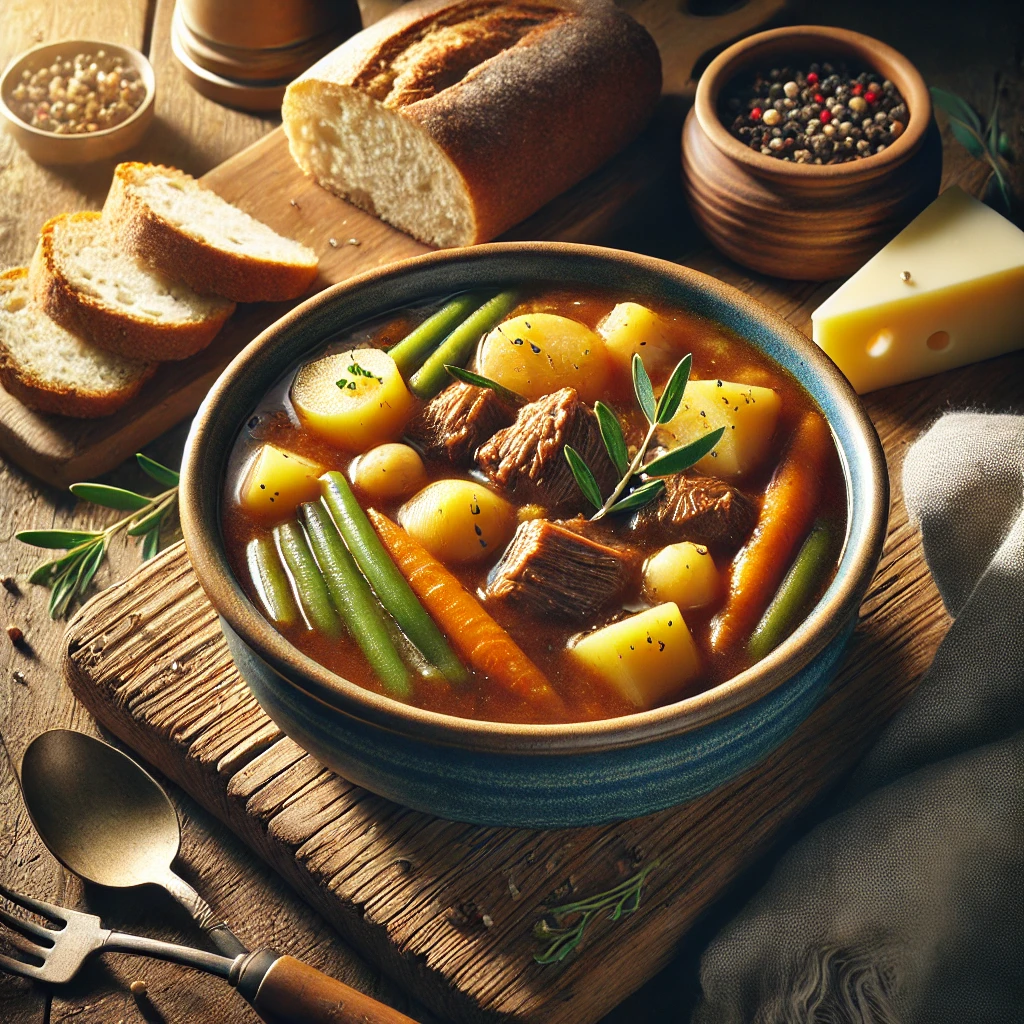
[962, 48]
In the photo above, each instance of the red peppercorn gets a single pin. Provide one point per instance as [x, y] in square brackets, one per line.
[871, 97]
[818, 98]
[812, 78]
[755, 114]
[825, 116]
[856, 88]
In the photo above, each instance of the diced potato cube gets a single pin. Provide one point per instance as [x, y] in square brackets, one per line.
[277, 482]
[459, 520]
[537, 353]
[353, 399]
[748, 413]
[684, 573]
[648, 657]
[631, 329]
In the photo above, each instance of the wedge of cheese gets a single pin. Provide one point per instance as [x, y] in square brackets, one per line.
[947, 290]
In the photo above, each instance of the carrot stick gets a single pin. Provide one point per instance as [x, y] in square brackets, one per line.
[479, 640]
[788, 510]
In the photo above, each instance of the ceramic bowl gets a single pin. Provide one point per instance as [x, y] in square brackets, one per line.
[807, 221]
[532, 775]
[48, 148]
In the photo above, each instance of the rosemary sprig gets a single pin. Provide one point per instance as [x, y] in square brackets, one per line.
[563, 938]
[986, 141]
[69, 575]
[657, 412]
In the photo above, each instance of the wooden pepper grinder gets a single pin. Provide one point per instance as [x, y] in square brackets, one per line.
[243, 53]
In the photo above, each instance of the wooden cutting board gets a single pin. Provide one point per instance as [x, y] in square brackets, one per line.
[264, 181]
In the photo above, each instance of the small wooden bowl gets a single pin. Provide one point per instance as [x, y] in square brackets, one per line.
[49, 148]
[807, 221]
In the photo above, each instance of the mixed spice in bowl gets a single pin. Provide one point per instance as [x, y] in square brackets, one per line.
[807, 149]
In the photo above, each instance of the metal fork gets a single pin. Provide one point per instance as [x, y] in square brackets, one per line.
[280, 988]
[62, 950]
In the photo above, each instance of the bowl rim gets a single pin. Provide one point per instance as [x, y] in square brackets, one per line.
[200, 521]
[873, 52]
[138, 58]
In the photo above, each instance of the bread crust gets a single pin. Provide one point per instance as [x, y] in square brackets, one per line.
[184, 257]
[121, 333]
[528, 122]
[43, 396]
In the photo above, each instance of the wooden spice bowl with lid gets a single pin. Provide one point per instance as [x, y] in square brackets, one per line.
[802, 220]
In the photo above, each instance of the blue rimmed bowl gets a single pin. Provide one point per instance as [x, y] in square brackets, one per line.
[538, 776]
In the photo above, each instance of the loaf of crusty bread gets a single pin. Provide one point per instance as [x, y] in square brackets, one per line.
[53, 370]
[81, 279]
[455, 119]
[186, 231]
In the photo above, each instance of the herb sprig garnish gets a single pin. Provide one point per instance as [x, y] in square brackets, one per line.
[657, 412]
[70, 575]
[357, 371]
[562, 938]
[988, 142]
[460, 373]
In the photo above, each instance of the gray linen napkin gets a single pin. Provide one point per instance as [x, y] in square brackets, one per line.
[907, 904]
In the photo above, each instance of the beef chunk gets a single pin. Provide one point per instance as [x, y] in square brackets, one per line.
[453, 424]
[552, 570]
[702, 509]
[528, 458]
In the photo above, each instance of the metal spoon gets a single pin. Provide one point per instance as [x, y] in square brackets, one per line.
[109, 821]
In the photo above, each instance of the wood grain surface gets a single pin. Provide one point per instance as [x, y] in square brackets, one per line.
[961, 47]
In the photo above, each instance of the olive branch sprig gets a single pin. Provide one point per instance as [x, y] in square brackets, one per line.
[562, 938]
[69, 575]
[988, 141]
[657, 412]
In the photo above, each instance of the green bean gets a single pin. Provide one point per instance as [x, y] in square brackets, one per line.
[410, 352]
[432, 376]
[309, 581]
[271, 581]
[355, 601]
[796, 589]
[390, 586]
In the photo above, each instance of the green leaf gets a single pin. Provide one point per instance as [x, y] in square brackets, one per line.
[643, 388]
[611, 434]
[151, 544]
[64, 589]
[968, 139]
[480, 381]
[90, 564]
[150, 521]
[956, 107]
[643, 495]
[56, 538]
[584, 478]
[1003, 147]
[668, 404]
[49, 571]
[110, 497]
[682, 458]
[160, 473]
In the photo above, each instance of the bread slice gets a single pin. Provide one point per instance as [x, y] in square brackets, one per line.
[80, 279]
[188, 232]
[50, 369]
[455, 119]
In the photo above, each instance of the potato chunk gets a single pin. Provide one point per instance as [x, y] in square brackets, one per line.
[748, 413]
[647, 658]
[459, 520]
[353, 399]
[684, 573]
[631, 329]
[388, 471]
[277, 482]
[538, 353]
